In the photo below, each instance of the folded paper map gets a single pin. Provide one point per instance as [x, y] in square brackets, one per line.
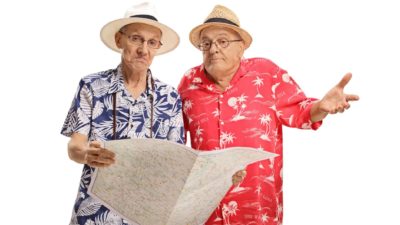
[158, 182]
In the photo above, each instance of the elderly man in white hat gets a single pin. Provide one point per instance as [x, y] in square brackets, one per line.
[120, 103]
[231, 101]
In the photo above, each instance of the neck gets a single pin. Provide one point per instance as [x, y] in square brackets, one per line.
[133, 76]
[222, 79]
[135, 81]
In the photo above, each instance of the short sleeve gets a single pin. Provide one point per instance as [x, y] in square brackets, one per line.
[80, 114]
[292, 105]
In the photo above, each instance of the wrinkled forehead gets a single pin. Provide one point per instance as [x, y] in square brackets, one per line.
[213, 31]
[141, 27]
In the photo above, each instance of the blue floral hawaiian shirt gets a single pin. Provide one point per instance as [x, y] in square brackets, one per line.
[91, 114]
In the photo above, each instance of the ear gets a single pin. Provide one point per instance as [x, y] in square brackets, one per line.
[117, 38]
[241, 49]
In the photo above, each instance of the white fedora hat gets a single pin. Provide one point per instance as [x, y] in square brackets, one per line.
[142, 13]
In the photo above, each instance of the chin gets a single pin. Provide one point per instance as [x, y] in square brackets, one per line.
[140, 66]
[214, 67]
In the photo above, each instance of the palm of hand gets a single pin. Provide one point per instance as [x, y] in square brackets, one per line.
[336, 100]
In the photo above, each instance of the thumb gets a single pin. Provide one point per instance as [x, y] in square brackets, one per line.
[345, 80]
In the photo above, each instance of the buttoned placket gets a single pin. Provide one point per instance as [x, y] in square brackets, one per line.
[221, 122]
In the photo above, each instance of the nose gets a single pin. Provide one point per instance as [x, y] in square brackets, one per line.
[143, 48]
[214, 47]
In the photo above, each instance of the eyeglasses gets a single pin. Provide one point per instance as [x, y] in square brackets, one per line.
[205, 45]
[139, 40]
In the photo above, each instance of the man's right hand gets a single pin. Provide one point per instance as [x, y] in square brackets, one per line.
[96, 156]
[91, 153]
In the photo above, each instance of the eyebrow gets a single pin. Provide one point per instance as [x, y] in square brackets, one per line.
[136, 32]
[216, 36]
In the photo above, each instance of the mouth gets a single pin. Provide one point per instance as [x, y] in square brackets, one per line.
[215, 59]
[143, 60]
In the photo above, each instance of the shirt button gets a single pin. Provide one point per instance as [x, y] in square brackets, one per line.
[221, 96]
[222, 122]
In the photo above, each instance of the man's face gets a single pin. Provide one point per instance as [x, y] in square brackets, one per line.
[139, 44]
[219, 59]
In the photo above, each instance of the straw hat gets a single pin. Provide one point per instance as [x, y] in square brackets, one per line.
[142, 13]
[223, 17]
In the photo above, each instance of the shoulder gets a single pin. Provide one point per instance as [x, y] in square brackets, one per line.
[102, 75]
[262, 64]
[165, 89]
[99, 80]
[189, 76]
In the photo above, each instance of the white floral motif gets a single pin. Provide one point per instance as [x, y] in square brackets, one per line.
[197, 80]
[89, 222]
[304, 103]
[216, 112]
[264, 218]
[193, 87]
[190, 73]
[187, 106]
[286, 78]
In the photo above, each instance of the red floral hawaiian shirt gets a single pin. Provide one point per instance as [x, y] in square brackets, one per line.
[260, 99]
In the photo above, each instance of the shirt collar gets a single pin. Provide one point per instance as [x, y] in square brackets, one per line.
[201, 80]
[117, 81]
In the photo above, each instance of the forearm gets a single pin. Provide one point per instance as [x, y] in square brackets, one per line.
[316, 113]
[77, 148]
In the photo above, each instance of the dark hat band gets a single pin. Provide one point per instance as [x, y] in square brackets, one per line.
[145, 16]
[220, 20]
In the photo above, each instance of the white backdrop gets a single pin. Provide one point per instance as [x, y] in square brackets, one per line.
[344, 173]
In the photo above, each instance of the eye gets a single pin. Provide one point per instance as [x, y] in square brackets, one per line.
[205, 44]
[135, 38]
[222, 42]
[152, 43]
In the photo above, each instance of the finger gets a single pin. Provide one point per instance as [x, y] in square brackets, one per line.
[240, 174]
[98, 164]
[93, 152]
[345, 80]
[106, 153]
[333, 111]
[100, 159]
[107, 157]
[352, 97]
[96, 144]
[236, 180]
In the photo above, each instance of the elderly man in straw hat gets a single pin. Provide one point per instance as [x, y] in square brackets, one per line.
[125, 102]
[231, 101]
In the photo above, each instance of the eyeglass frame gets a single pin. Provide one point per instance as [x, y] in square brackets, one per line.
[201, 48]
[142, 40]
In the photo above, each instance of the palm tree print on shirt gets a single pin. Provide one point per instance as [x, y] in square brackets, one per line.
[265, 119]
[225, 138]
[198, 139]
[238, 103]
[258, 82]
[229, 210]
